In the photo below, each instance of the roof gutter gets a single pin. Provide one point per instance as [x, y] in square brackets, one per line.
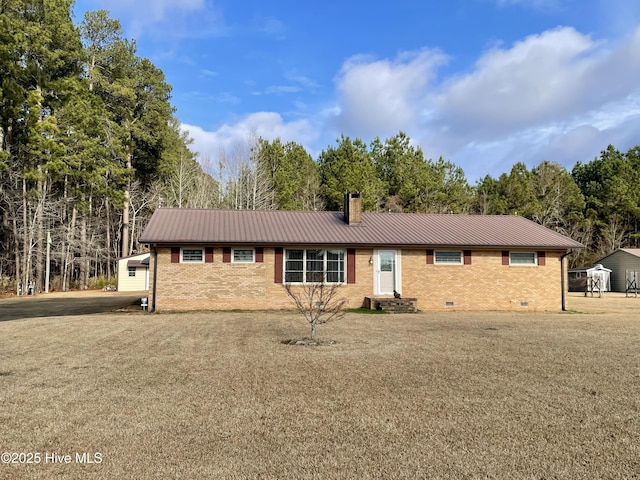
[155, 279]
[564, 296]
[345, 244]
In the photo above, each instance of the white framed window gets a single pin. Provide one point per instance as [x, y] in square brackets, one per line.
[132, 271]
[243, 255]
[192, 255]
[314, 265]
[448, 257]
[523, 258]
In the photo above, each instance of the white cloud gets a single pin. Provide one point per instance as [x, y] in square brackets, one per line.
[227, 138]
[302, 80]
[560, 95]
[566, 142]
[520, 103]
[382, 96]
[156, 10]
[299, 83]
[166, 20]
[539, 79]
[224, 97]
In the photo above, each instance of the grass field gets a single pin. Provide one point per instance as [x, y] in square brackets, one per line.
[429, 395]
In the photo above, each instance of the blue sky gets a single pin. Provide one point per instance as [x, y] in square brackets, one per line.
[482, 83]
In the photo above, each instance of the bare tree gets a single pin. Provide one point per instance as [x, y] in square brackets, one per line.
[613, 235]
[245, 178]
[318, 302]
[141, 202]
[181, 181]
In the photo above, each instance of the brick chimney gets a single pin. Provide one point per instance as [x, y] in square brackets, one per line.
[352, 208]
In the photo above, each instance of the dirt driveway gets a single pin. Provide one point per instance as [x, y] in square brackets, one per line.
[66, 303]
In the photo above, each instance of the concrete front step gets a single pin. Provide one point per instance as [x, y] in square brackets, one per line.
[390, 304]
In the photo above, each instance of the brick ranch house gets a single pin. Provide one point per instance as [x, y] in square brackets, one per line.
[240, 259]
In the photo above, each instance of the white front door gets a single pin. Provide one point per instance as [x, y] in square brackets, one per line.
[386, 272]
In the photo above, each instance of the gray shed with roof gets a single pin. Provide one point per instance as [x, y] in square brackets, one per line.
[622, 262]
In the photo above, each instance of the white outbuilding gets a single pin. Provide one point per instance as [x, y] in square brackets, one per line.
[133, 273]
[590, 279]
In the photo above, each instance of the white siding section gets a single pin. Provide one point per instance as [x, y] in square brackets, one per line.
[139, 281]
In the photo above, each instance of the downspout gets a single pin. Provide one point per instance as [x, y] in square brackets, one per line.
[155, 279]
[564, 299]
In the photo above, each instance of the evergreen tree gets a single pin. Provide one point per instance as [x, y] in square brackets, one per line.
[43, 54]
[137, 108]
[610, 187]
[292, 173]
[403, 171]
[77, 126]
[414, 184]
[348, 167]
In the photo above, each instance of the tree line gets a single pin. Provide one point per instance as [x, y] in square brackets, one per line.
[596, 203]
[91, 146]
[87, 134]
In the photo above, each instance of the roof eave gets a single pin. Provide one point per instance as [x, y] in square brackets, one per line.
[167, 243]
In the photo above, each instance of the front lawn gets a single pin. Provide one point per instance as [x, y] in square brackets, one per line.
[428, 395]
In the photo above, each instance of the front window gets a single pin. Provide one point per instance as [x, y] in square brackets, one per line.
[522, 258]
[243, 255]
[132, 271]
[314, 265]
[294, 266]
[335, 266]
[448, 257]
[192, 255]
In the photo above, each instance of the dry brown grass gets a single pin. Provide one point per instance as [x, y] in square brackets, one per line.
[430, 395]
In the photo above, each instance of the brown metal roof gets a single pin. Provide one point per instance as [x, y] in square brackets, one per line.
[277, 227]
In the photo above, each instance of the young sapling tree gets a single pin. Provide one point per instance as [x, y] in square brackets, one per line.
[317, 301]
